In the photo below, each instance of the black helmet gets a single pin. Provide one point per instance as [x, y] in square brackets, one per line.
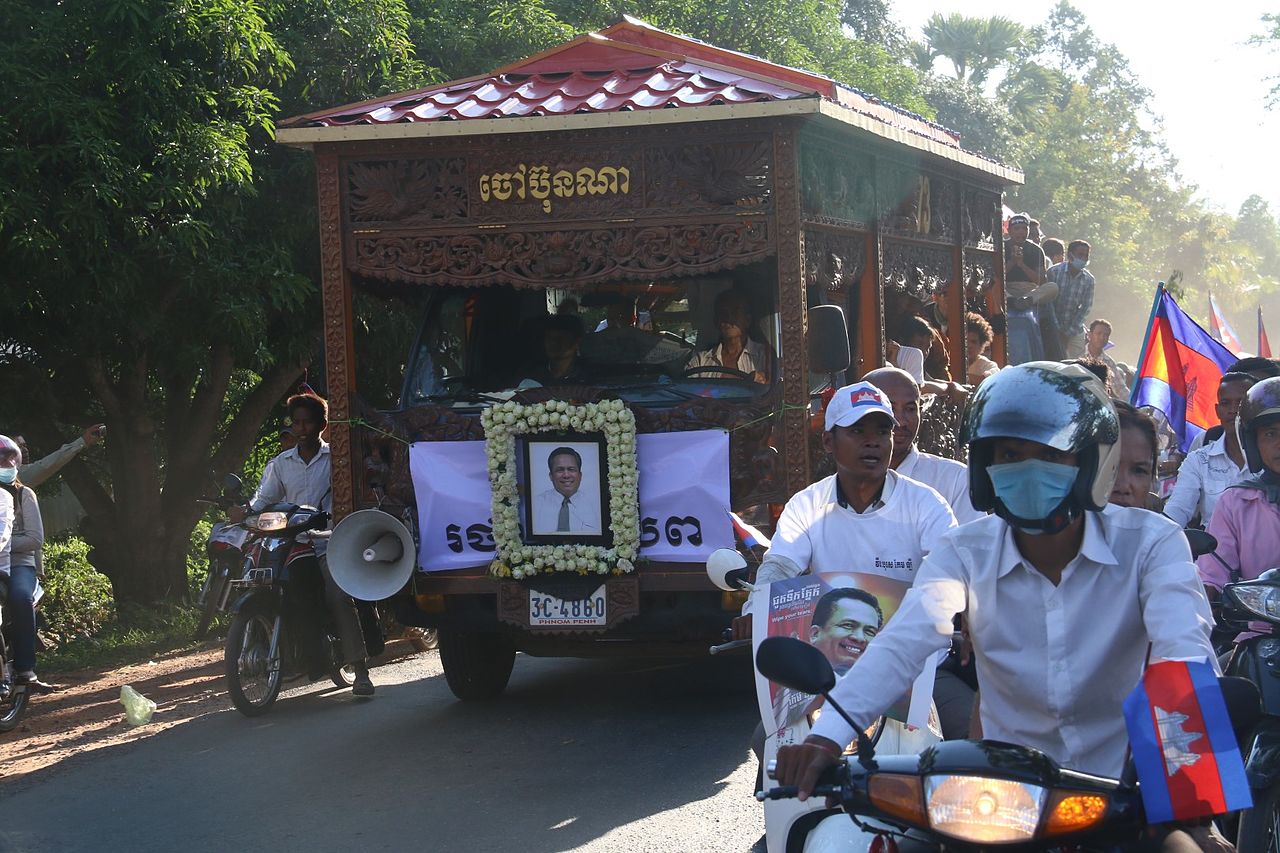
[1061, 405]
[1261, 406]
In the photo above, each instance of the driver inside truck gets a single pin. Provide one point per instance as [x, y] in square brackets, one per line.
[736, 351]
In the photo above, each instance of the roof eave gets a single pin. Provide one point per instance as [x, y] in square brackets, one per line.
[308, 137]
[958, 156]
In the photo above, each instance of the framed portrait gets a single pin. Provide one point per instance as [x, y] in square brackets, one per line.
[564, 496]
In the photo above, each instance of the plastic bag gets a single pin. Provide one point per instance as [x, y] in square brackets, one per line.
[137, 708]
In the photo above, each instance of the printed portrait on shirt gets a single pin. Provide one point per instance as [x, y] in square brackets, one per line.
[562, 489]
[837, 614]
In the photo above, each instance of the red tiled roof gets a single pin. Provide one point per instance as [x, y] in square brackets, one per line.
[628, 66]
[670, 84]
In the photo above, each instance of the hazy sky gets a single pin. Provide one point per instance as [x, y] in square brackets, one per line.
[1209, 86]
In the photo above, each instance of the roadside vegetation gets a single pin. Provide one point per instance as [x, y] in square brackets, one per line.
[164, 250]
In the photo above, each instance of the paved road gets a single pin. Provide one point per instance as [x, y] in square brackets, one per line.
[577, 755]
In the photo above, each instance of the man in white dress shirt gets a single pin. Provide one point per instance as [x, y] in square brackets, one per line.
[561, 510]
[947, 476]
[1210, 470]
[1063, 593]
[301, 475]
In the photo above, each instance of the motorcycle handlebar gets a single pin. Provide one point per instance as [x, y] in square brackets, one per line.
[789, 792]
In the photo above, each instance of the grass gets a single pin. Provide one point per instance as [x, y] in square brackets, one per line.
[140, 636]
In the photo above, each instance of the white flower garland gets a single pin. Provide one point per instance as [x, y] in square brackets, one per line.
[502, 423]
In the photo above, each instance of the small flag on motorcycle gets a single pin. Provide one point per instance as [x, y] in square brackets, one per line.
[1184, 748]
[748, 535]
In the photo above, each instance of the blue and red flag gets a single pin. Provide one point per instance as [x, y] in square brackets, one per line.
[1264, 344]
[1221, 329]
[1179, 369]
[1184, 748]
[747, 534]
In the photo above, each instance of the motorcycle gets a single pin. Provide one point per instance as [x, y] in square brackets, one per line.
[281, 628]
[226, 556]
[1256, 656]
[804, 828]
[13, 697]
[971, 795]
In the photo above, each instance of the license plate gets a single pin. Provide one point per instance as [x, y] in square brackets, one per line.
[546, 611]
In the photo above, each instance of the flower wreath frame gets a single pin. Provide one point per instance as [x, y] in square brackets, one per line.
[502, 424]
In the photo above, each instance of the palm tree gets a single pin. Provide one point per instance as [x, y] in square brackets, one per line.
[975, 46]
[921, 56]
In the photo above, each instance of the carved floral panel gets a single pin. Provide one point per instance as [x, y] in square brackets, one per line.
[919, 271]
[580, 256]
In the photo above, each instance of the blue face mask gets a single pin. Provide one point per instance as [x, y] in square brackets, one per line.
[1032, 488]
[1079, 263]
[8, 475]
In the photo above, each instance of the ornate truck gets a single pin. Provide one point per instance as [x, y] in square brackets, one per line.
[577, 227]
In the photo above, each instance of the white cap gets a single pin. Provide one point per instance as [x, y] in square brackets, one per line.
[854, 402]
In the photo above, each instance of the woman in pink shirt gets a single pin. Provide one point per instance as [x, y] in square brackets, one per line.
[1246, 521]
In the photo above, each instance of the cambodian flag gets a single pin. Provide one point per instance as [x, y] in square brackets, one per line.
[747, 534]
[1221, 329]
[1179, 369]
[1183, 745]
[1264, 344]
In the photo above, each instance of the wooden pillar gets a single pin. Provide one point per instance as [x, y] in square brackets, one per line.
[995, 296]
[338, 331]
[792, 306]
[870, 312]
[955, 307]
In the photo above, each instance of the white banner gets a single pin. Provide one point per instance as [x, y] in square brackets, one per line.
[683, 486]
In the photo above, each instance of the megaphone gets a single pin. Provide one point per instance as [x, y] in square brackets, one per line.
[727, 570]
[371, 555]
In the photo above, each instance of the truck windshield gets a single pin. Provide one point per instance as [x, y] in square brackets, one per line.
[650, 342]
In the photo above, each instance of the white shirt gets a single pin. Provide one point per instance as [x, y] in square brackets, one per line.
[584, 515]
[1055, 664]
[911, 359]
[6, 529]
[947, 477]
[816, 534]
[755, 356]
[1202, 478]
[289, 478]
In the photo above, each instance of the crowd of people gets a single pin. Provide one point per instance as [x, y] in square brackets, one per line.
[1049, 548]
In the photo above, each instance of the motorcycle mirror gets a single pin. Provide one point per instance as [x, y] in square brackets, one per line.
[796, 664]
[1201, 541]
[231, 484]
[727, 569]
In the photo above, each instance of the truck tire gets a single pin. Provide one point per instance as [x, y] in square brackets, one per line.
[477, 665]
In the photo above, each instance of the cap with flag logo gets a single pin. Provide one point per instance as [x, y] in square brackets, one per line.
[854, 402]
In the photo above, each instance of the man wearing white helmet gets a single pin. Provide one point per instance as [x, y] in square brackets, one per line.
[1063, 594]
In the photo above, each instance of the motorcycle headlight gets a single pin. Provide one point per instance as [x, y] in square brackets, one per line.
[267, 521]
[983, 811]
[1260, 599]
[299, 518]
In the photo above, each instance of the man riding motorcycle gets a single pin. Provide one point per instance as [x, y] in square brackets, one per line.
[301, 475]
[1060, 629]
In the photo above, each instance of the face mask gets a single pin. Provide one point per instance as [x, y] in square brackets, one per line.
[1078, 264]
[8, 475]
[1033, 488]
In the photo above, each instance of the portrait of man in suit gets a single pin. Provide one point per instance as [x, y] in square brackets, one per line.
[570, 503]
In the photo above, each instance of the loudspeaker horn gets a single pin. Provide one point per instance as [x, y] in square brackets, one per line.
[371, 555]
